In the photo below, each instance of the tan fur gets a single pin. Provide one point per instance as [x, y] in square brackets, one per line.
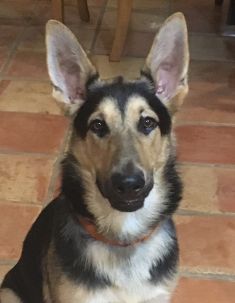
[99, 156]
[58, 288]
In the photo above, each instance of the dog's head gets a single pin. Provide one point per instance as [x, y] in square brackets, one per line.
[122, 140]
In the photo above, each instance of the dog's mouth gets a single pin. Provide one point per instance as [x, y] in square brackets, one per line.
[129, 202]
[127, 205]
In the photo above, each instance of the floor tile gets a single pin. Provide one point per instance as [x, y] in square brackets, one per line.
[137, 43]
[37, 133]
[152, 6]
[104, 41]
[226, 190]
[139, 21]
[90, 3]
[14, 12]
[28, 64]
[207, 244]
[34, 38]
[208, 189]
[85, 36]
[71, 16]
[28, 96]
[203, 291]
[206, 144]
[211, 47]
[209, 102]
[25, 179]
[204, 71]
[3, 56]
[127, 67]
[201, 16]
[8, 34]
[13, 230]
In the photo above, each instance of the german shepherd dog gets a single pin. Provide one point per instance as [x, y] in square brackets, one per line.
[109, 236]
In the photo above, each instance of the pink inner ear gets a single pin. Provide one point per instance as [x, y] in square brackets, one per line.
[71, 73]
[167, 81]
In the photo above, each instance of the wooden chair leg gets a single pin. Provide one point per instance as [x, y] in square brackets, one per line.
[123, 18]
[83, 10]
[58, 10]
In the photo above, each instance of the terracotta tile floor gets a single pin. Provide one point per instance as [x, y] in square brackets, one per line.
[33, 130]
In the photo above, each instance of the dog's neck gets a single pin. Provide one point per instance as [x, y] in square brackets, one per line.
[90, 227]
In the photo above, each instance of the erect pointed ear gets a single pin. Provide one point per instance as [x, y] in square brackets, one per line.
[168, 61]
[68, 65]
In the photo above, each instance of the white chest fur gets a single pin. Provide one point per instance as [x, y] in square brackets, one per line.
[145, 294]
[129, 274]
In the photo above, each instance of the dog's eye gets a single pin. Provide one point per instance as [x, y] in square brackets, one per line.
[99, 127]
[147, 124]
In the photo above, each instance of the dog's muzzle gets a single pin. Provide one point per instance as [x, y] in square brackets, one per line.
[126, 192]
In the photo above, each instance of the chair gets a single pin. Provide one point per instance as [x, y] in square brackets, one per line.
[123, 18]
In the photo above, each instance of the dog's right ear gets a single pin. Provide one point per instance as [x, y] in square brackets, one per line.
[68, 65]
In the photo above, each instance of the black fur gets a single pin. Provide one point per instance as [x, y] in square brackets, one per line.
[72, 187]
[70, 243]
[167, 266]
[175, 187]
[121, 91]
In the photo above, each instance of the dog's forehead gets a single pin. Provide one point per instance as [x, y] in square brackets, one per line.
[120, 94]
[112, 109]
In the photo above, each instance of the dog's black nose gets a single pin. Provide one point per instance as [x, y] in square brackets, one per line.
[128, 185]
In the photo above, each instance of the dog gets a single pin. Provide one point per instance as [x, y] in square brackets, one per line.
[109, 236]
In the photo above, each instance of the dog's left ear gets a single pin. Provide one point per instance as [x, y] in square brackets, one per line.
[68, 65]
[168, 62]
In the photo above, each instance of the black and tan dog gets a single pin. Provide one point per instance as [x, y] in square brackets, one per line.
[109, 236]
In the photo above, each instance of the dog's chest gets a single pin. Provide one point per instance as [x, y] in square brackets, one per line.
[128, 273]
[130, 277]
[128, 294]
[146, 293]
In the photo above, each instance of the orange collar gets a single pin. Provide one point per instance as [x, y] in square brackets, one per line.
[91, 229]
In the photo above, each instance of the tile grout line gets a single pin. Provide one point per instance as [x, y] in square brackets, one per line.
[30, 79]
[195, 213]
[31, 154]
[203, 123]
[206, 275]
[21, 203]
[205, 164]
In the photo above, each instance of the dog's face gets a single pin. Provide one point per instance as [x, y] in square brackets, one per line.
[122, 128]
[121, 139]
